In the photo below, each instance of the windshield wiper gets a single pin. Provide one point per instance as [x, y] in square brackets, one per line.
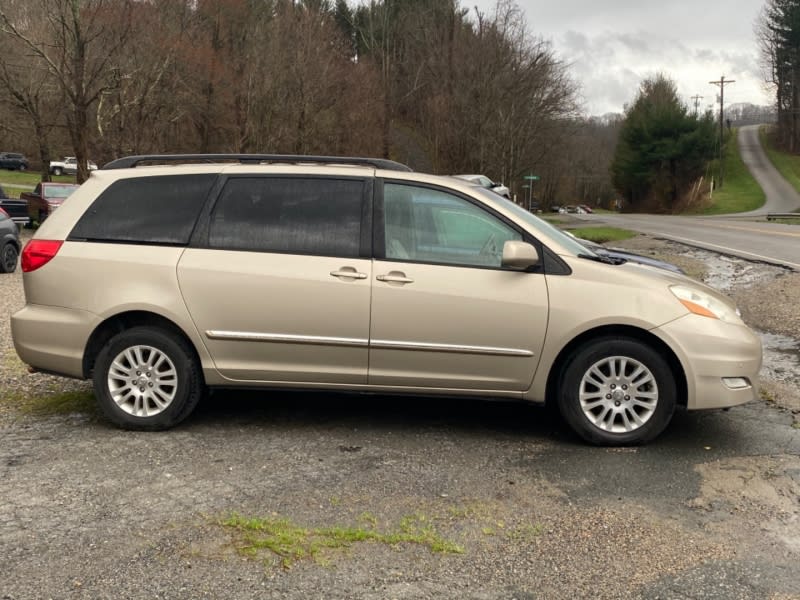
[609, 260]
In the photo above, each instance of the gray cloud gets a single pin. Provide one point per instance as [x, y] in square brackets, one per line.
[612, 46]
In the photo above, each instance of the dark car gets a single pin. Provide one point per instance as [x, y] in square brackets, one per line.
[9, 243]
[15, 208]
[13, 161]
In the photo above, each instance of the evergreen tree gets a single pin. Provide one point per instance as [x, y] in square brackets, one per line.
[663, 148]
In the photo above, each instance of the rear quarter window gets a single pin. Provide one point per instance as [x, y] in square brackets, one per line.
[148, 210]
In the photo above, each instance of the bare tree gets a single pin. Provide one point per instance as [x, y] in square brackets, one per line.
[78, 41]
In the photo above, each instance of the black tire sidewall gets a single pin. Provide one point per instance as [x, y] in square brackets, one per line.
[594, 351]
[189, 387]
[3, 250]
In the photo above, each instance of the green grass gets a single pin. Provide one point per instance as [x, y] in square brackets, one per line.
[602, 235]
[29, 179]
[50, 404]
[787, 165]
[290, 542]
[740, 192]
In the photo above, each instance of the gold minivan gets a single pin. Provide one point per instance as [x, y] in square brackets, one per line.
[160, 280]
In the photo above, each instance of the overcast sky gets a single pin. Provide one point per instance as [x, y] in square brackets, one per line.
[613, 45]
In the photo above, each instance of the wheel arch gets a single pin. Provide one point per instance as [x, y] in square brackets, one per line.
[122, 322]
[557, 370]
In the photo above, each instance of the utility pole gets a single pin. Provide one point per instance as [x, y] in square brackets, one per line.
[696, 103]
[721, 83]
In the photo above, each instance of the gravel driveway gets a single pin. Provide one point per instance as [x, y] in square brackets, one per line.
[290, 495]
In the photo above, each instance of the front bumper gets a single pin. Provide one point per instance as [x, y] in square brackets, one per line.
[714, 355]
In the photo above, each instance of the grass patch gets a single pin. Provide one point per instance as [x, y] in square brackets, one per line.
[28, 179]
[51, 404]
[290, 542]
[603, 234]
[787, 165]
[786, 221]
[740, 192]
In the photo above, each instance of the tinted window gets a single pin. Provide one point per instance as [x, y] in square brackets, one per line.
[289, 215]
[426, 225]
[155, 210]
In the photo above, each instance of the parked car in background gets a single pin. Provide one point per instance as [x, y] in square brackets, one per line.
[274, 273]
[485, 182]
[13, 161]
[14, 207]
[45, 198]
[586, 208]
[68, 166]
[9, 243]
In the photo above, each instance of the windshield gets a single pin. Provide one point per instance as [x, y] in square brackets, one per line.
[59, 191]
[540, 225]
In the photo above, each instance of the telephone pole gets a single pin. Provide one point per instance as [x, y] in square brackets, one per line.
[696, 103]
[721, 83]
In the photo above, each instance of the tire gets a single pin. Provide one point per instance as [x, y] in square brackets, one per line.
[9, 255]
[23, 168]
[57, 171]
[167, 388]
[617, 392]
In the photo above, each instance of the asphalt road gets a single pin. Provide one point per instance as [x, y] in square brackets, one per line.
[773, 243]
[735, 235]
[781, 196]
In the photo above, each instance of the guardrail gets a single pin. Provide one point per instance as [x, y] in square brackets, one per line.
[784, 215]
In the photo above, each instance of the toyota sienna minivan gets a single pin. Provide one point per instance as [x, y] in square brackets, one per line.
[158, 281]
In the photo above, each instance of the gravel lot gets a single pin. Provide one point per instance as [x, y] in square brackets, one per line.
[484, 500]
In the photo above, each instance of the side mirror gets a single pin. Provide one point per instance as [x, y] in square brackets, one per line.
[519, 255]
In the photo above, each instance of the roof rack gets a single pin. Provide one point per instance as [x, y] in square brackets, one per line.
[130, 162]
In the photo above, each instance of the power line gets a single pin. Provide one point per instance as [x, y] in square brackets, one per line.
[721, 83]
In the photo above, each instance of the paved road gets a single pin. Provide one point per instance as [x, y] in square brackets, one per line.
[773, 243]
[781, 196]
[769, 242]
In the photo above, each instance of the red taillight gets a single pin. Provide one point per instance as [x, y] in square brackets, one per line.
[2, 212]
[38, 253]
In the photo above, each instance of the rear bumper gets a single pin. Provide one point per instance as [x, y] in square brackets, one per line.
[52, 338]
[716, 358]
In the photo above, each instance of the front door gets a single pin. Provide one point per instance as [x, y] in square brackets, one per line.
[445, 314]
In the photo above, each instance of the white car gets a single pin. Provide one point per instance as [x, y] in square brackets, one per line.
[68, 166]
[484, 181]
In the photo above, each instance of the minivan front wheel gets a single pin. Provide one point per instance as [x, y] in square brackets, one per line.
[147, 379]
[617, 391]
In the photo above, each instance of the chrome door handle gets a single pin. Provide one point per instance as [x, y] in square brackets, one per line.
[395, 277]
[348, 273]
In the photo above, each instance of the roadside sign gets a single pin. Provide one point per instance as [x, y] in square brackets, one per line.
[532, 177]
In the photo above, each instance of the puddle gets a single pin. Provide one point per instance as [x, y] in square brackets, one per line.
[725, 272]
[781, 358]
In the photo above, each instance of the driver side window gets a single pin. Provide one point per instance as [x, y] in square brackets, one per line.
[425, 225]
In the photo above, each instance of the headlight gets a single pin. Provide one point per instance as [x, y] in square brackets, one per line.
[706, 305]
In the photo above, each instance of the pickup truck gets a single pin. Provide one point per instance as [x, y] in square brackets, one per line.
[68, 166]
[45, 198]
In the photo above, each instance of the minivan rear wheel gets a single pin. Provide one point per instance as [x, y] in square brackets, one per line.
[616, 392]
[146, 378]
